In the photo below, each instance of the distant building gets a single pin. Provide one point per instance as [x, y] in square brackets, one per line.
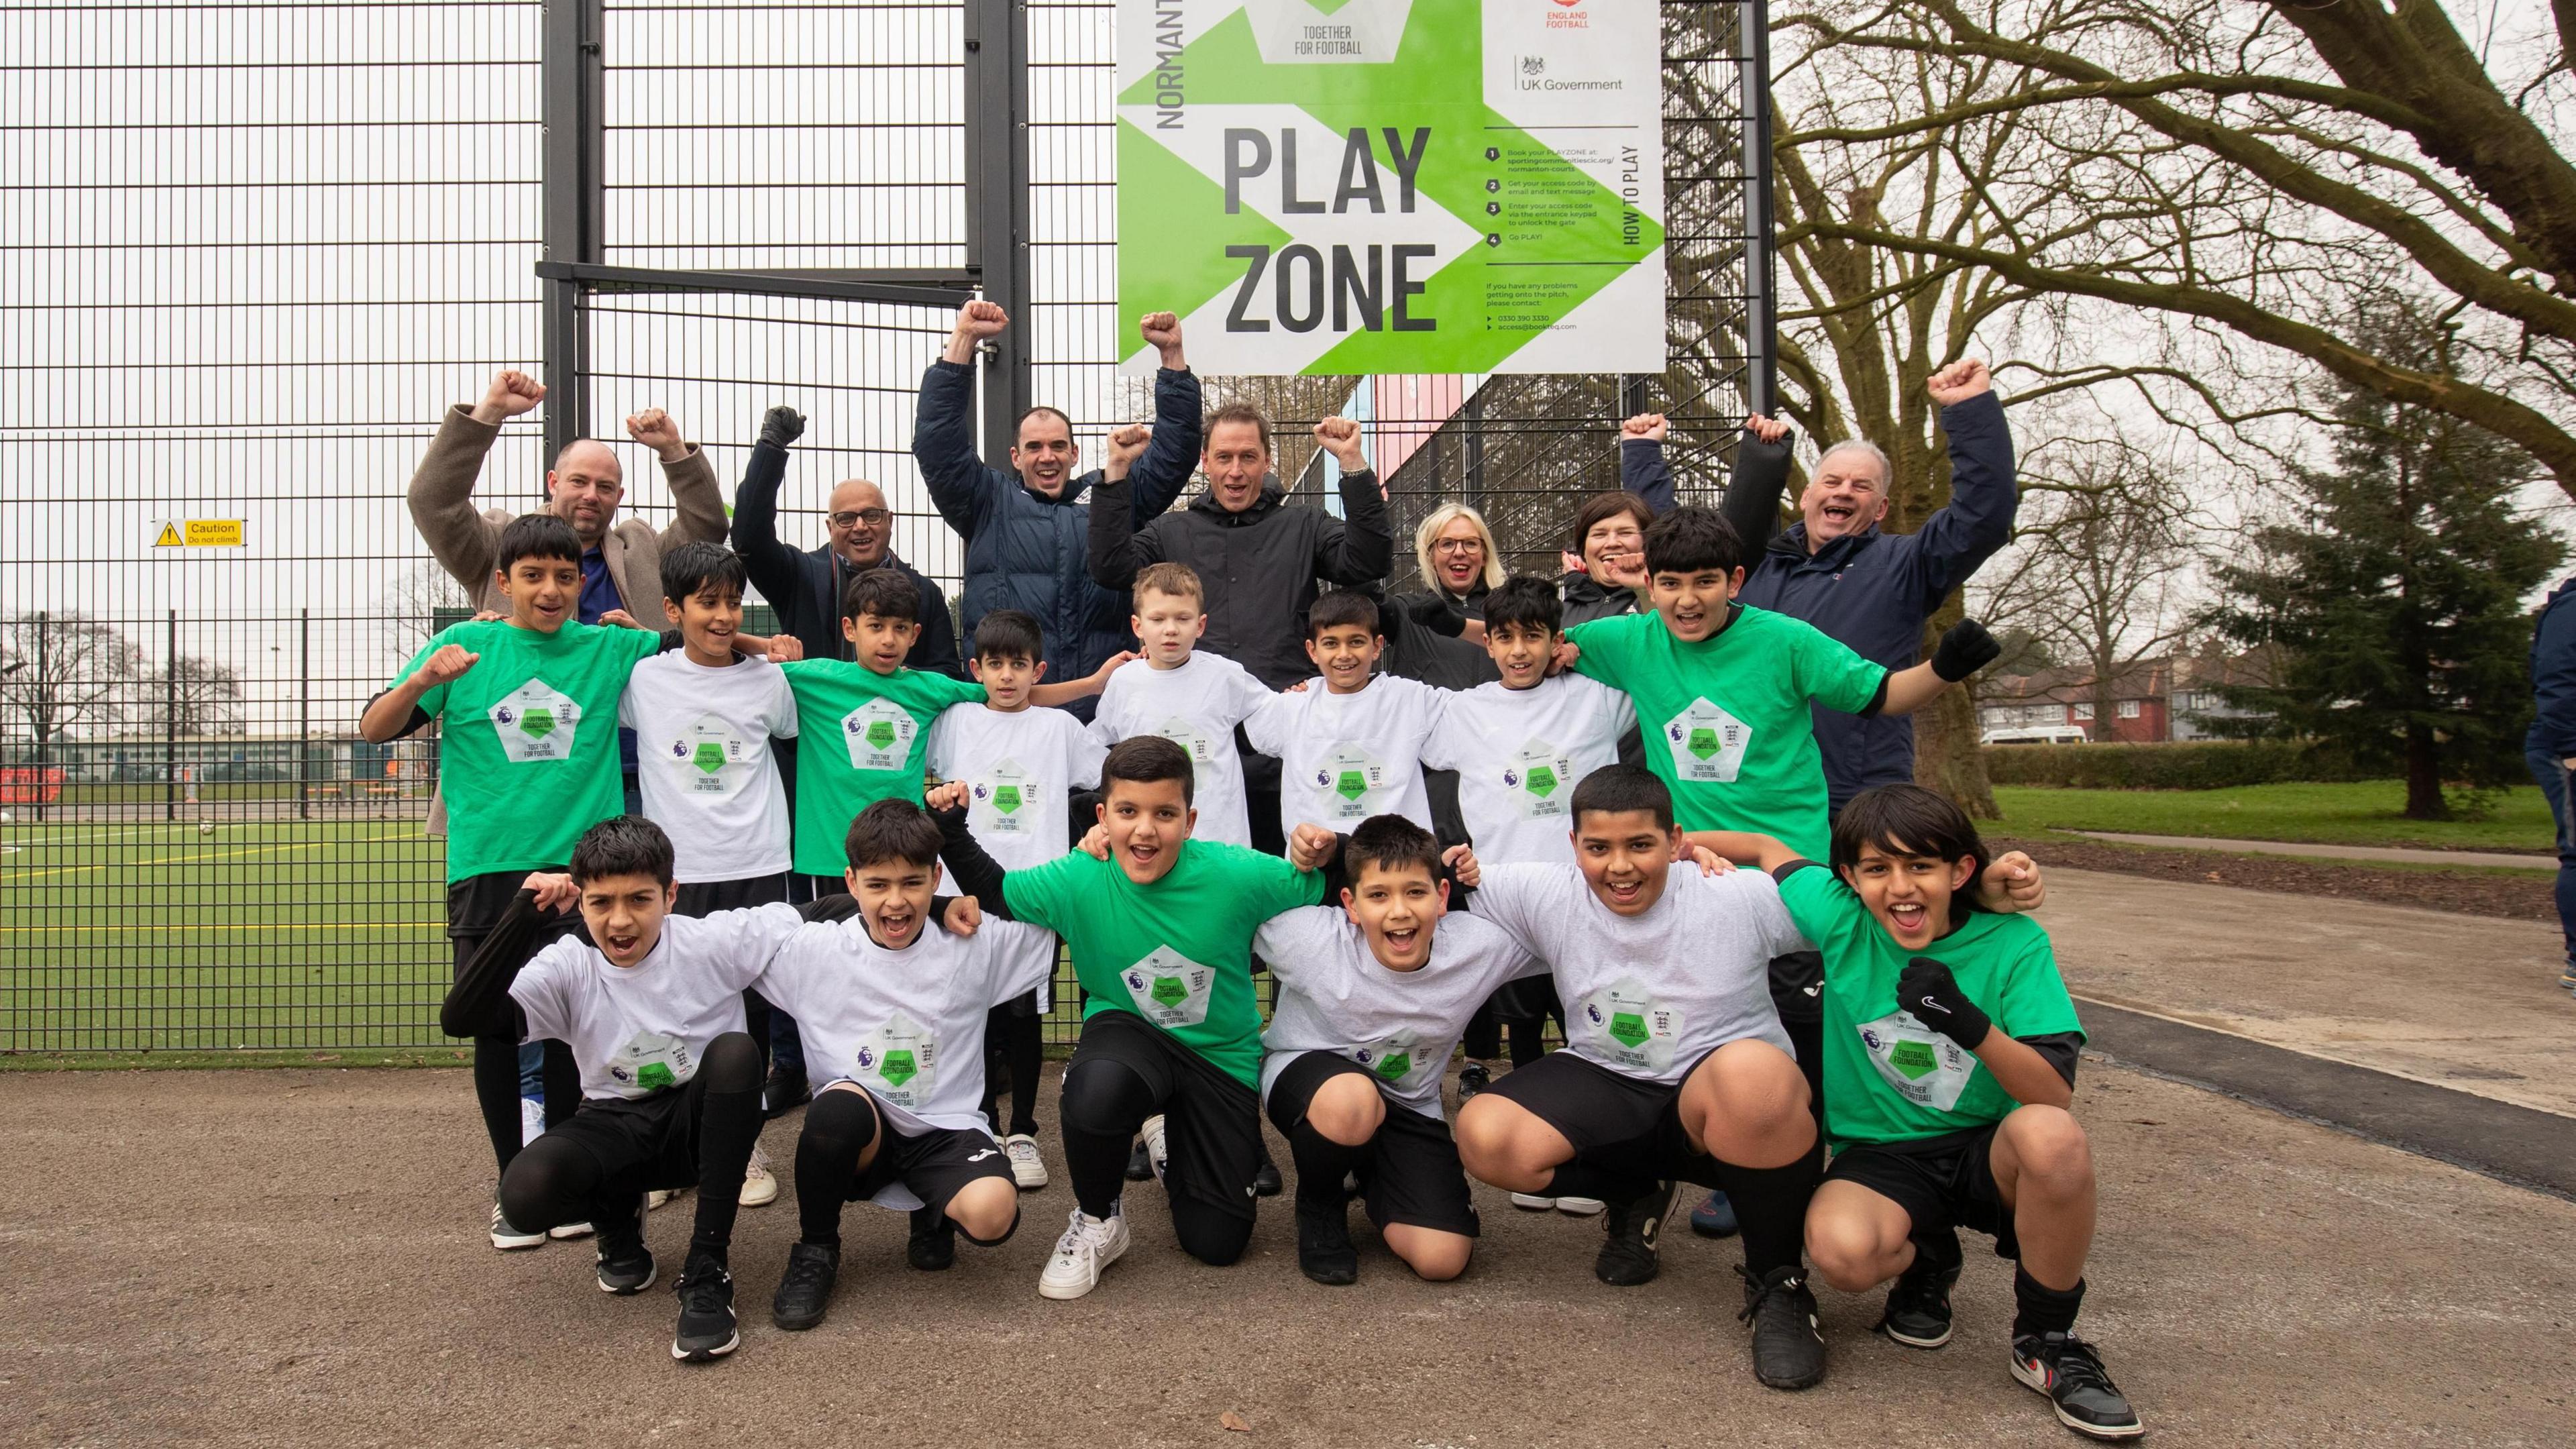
[2153, 700]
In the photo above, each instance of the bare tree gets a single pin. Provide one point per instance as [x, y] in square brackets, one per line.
[417, 603]
[58, 671]
[191, 697]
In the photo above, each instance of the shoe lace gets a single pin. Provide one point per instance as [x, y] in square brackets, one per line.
[2079, 1366]
[1782, 1291]
[804, 1270]
[702, 1289]
[1076, 1237]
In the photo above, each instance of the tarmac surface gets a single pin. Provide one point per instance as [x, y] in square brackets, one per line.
[2488, 858]
[296, 1257]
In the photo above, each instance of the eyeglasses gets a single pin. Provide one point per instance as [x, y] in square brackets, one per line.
[1457, 545]
[872, 517]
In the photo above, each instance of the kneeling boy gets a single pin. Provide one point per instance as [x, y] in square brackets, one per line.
[1373, 993]
[1950, 1048]
[893, 1015]
[670, 1080]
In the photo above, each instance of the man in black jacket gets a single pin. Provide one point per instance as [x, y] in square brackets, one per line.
[1258, 559]
[805, 587]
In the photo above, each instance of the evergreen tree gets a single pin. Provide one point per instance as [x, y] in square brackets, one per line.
[2393, 610]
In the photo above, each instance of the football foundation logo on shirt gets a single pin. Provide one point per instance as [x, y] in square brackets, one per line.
[879, 734]
[1919, 1064]
[702, 752]
[1539, 776]
[1345, 780]
[651, 1062]
[1707, 743]
[536, 721]
[1002, 800]
[898, 1062]
[1169, 989]
[1400, 1060]
[1628, 1027]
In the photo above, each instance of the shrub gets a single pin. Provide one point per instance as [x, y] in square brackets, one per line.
[2194, 765]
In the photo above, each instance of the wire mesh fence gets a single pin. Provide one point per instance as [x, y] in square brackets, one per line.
[252, 251]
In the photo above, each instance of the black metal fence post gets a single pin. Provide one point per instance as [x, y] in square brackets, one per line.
[304, 714]
[170, 723]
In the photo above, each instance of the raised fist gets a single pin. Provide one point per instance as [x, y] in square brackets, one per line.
[781, 426]
[447, 662]
[1959, 382]
[1769, 430]
[655, 430]
[1162, 332]
[1341, 438]
[1463, 867]
[1644, 427]
[510, 394]
[947, 795]
[1126, 445]
[1311, 847]
[980, 320]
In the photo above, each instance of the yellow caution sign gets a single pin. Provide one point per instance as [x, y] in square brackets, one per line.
[200, 533]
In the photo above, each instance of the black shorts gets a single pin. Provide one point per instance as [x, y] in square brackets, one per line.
[706, 897]
[656, 1136]
[1941, 1182]
[1531, 998]
[1211, 1122]
[1411, 1174]
[1617, 1123]
[935, 1166]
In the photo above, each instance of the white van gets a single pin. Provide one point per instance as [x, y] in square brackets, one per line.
[2036, 735]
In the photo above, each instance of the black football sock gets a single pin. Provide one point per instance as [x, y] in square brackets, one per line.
[1771, 1206]
[2039, 1309]
[728, 1087]
[838, 1127]
[1322, 1164]
[1105, 1103]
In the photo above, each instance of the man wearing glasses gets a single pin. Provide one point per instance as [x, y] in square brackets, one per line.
[805, 588]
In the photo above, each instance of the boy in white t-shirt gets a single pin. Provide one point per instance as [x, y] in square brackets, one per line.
[1350, 743]
[1020, 766]
[1186, 695]
[1520, 745]
[1374, 988]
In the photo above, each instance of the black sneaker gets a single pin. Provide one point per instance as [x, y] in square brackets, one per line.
[2067, 1369]
[1788, 1348]
[1631, 1232]
[1918, 1305]
[1266, 1182]
[625, 1264]
[1140, 1165]
[706, 1332]
[933, 1245]
[806, 1288]
[784, 1092]
[1324, 1251]
[1472, 1078]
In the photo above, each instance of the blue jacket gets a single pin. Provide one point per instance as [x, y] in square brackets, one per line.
[2553, 675]
[1026, 552]
[805, 587]
[1873, 590]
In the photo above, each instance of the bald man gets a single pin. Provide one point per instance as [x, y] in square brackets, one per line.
[805, 588]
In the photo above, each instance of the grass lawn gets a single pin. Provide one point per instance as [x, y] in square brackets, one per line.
[2366, 813]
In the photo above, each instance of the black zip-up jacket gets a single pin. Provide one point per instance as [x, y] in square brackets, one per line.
[805, 587]
[1259, 567]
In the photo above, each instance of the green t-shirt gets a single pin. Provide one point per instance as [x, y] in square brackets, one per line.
[1888, 1077]
[860, 737]
[1726, 719]
[1177, 952]
[528, 739]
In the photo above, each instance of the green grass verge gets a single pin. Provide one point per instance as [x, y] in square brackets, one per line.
[2364, 813]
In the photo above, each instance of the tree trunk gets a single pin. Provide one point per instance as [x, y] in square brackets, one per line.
[2424, 776]
[1946, 755]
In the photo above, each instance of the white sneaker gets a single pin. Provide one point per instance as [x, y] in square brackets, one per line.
[657, 1197]
[1535, 1203]
[1026, 1168]
[759, 1184]
[566, 1232]
[1581, 1207]
[1089, 1245]
[532, 1120]
[1156, 1151]
[510, 1238]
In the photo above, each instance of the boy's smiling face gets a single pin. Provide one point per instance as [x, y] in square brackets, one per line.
[1693, 602]
[894, 898]
[1146, 821]
[879, 642]
[707, 620]
[1396, 908]
[1624, 856]
[1520, 652]
[1908, 895]
[543, 592]
[1344, 654]
[625, 914]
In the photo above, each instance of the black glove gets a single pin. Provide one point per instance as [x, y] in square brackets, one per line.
[1432, 612]
[1964, 650]
[1927, 989]
[782, 425]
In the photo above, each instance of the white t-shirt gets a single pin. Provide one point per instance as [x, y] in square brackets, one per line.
[1519, 753]
[1648, 996]
[908, 1025]
[1196, 705]
[1334, 996]
[1346, 757]
[703, 762]
[1017, 768]
[641, 1029]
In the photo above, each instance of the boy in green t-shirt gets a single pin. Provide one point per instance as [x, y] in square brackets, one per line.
[863, 725]
[527, 713]
[1949, 1057]
[1162, 936]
